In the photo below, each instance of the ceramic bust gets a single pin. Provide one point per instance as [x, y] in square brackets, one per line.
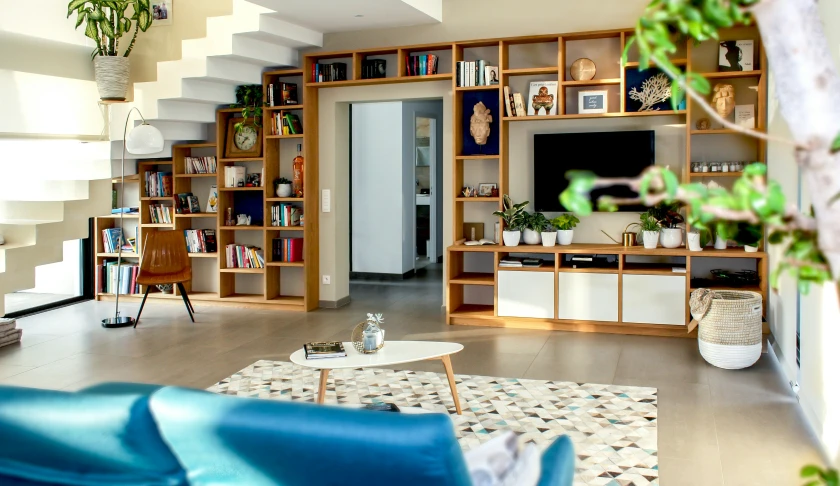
[480, 123]
[724, 99]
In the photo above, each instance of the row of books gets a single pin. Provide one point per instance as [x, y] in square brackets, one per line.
[108, 278]
[287, 249]
[515, 105]
[476, 73]
[201, 241]
[235, 176]
[282, 94]
[111, 239]
[242, 256]
[286, 124]
[186, 203]
[373, 68]
[200, 165]
[125, 211]
[511, 262]
[285, 215]
[158, 184]
[160, 214]
[421, 65]
[322, 73]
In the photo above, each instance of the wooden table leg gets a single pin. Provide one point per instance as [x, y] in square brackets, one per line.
[322, 386]
[447, 365]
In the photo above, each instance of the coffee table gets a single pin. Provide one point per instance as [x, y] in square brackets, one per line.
[394, 352]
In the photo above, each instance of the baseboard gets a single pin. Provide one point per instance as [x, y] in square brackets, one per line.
[334, 304]
[381, 276]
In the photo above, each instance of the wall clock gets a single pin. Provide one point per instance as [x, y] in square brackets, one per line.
[245, 143]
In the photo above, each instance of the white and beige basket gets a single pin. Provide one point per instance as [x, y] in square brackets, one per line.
[730, 326]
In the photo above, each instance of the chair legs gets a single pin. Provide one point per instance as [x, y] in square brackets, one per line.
[187, 302]
[141, 306]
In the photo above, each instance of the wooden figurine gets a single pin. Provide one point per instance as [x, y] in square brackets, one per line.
[724, 99]
[480, 123]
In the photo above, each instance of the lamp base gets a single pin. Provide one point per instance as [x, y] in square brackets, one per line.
[116, 322]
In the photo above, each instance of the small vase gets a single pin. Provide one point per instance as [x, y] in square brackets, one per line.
[694, 242]
[531, 237]
[651, 238]
[565, 237]
[511, 238]
[111, 73]
[284, 190]
[751, 249]
[549, 238]
[671, 237]
[720, 243]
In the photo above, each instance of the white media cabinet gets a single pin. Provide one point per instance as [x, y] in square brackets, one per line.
[640, 295]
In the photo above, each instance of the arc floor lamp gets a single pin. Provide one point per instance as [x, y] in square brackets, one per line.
[141, 140]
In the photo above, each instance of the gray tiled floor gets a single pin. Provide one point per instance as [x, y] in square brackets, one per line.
[716, 427]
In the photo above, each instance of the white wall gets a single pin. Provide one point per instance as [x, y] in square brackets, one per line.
[377, 181]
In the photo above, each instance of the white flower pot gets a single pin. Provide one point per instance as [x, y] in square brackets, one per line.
[720, 243]
[671, 237]
[549, 238]
[694, 242]
[750, 249]
[511, 238]
[284, 190]
[651, 238]
[565, 237]
[531, 237]
[111, 74]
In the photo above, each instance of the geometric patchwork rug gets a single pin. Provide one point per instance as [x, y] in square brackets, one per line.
[613, 427]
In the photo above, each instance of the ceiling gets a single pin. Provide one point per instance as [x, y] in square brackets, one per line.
[327, 16]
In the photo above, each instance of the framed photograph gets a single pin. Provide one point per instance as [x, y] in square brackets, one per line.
[592, 102]
[736, 55]
[486, 189]
[491, 75]
[161, 13]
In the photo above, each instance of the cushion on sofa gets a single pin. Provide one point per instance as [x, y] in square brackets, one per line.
[81, 439]
[235, 441]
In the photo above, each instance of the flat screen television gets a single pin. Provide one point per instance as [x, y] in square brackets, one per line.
[607, 154]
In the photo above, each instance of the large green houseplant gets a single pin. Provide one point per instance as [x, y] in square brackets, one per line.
[106, 22]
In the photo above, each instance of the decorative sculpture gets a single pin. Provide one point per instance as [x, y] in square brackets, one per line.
[655, 90]
[703, 124]
[724, 99]
[543, 100]
[480, 123]
[243, 220]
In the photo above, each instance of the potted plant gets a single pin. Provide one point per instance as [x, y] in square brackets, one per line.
[250, 99]
[106, 21]
[513, 217]
[283, 187]
[534, 225]
[698, 238]
[565, 224]
[749, 235]
[650, 230]
[670, 219]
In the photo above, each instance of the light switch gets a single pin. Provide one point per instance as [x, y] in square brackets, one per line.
[325, 200]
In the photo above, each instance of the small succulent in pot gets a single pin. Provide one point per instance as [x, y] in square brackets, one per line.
[283, 187]
[565, 224]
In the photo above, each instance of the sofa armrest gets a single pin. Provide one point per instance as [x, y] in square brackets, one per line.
[117, 388]
[558, 463]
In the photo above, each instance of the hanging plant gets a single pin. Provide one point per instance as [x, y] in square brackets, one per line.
[250, 99]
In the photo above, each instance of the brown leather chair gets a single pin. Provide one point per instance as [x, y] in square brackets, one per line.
[165, 261]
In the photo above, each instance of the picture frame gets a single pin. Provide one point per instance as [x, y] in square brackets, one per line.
[486, 189]
[162, 13]
[594, 101]
[232, 151]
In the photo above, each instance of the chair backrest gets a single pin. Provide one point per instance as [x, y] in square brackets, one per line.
[165, 257]
[54, 437]
[233, 440]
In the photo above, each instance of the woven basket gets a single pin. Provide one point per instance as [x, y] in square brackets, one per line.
[730, 326]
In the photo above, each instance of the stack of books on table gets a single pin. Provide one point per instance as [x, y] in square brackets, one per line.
[324, 350]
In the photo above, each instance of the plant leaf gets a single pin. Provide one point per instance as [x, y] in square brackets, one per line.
[755, 169]
[627, 46]
[144, 20]
[75, 4]
[107, 29]
[671, 183]
[81, 18]
[835, 146]
[91, 31]
[677, 94]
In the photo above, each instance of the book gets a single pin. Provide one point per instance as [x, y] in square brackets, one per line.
[491, 75]
[542, 98]
[479, 73]
[200, 165]
[481, 242]
[193, 204]
[324, 350]
[531, 262]
[200, 241]
[509, 107]
[736, 55]
[182, 205]
[289, 95]
[745, 116]
[158, 184]
[213, 200]
[242, 256]
[519, 107]
[287, 250]
[235, 176]
[293, 122]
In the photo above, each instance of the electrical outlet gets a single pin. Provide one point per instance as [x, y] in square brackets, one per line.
[325, 280]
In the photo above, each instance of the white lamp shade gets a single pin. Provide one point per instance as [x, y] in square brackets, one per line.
[144, 140]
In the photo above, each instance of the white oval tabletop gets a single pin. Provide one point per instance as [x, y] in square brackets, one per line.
[394, 352]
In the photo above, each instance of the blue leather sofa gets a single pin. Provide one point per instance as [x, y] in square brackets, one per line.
[131, 434]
